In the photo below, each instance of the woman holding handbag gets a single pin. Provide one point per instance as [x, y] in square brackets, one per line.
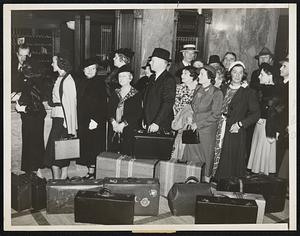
[206, 106]
[64, 114]
[182, 109]
[92, 107]
[124, 112]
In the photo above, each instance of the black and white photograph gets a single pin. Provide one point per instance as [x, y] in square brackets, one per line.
[165, 117]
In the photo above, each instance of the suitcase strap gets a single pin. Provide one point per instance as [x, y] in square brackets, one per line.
[241, 185]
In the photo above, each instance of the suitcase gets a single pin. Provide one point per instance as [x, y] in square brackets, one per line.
[61, 193]
[38, 193]
[116, 165]
[20, 192]
[224, 210]
[104, 207]
[182, 196]
[153, 145]
[173, 171]
[146, 193]
[259, 199]
[273, 189]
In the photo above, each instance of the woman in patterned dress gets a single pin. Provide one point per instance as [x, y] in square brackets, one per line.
[184, 96]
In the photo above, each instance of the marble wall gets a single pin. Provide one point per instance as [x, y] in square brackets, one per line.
[243, 31]
[157, 31]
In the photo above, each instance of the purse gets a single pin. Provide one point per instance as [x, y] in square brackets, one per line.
[67, 148]
[190, 137]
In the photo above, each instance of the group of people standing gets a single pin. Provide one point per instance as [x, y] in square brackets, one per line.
[213, 99]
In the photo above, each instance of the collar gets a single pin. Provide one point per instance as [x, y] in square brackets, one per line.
[185, 63]
[19, 66]
[234, 86]
[158, 74]
[286, 80]
[130, 94]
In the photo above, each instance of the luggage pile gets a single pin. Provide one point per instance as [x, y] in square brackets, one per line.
[128, 186]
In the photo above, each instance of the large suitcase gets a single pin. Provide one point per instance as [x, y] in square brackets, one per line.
[146, 193]
[61, 193]
[38, 192]
[104, 207]
[116, 165]
[182, 196]
[273, 189]
[153, 145]
[224, 210]
[20, 192]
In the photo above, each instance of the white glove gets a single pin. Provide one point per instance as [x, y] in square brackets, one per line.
[20, 108]
[271, 140]
[93, 124]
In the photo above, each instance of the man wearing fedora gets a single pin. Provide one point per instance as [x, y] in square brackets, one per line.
[123, 57]
[160, 93]
[264, 56]
[188, 53]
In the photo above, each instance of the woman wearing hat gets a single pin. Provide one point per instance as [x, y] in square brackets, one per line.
[263, 148]
[206, 106]
[92, 107]
[64, 114]
[240, 109]
[124, 112]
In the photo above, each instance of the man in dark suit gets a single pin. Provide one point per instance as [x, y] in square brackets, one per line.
[188, 52]
[17, 78]
[160, 93]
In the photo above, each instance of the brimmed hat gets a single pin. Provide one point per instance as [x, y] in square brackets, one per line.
[189, 47]
[90, 61]
[214, 59]
[209, 68]
[236, 63]
[161, 53]
[125, 68]
[286, 59]
[127, 52]
[264, 51]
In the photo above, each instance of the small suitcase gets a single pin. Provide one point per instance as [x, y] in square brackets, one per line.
[273, 189]
[104, 207]
[38, 192]
[146, 191]
[61, 193]
[182, 196]
[20, 192]
[153, 145]
[224, 210]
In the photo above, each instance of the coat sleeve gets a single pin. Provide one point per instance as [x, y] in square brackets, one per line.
[253, 109]
[111, 107]
[69, 103]
[100, 108]
[168, 99]
[215, 112]
[133, 112]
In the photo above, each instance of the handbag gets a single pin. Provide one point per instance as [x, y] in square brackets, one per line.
[190, 137]
[67, 148]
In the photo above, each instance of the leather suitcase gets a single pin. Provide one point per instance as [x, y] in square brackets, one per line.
[146, 191]
[104, 207]
[61, 193]
[38, 193]
[273, 189]
[153, 145]
[20, 192]
[224, 210]
[182, 197]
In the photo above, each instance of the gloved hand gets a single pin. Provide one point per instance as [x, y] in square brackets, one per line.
[93, 125]
[20, 108]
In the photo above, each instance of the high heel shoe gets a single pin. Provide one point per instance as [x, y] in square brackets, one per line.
[90, 176]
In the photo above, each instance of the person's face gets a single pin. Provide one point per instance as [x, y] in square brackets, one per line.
[54, 64]
[228, 59]
[157, 64]
[203, 78]
[219, 79]
[90, 71]
[117, 60]
[186, 77]
[124, 78]
[264, 58]
[237, 73]
[198, 64]
[22, 54]
[264, 78]
[188, 55]
[284, 69]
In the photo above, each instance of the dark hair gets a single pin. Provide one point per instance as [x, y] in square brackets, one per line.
[269, 70]
[63, 63]
[124, 58]
[193, 71]
[232, 53]
[210, 76]
[23, 46]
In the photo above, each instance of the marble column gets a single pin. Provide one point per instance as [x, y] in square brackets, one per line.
[243, 31]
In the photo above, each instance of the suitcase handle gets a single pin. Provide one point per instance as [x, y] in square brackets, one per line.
[191, 178]
[76, 178]
[104, 192]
